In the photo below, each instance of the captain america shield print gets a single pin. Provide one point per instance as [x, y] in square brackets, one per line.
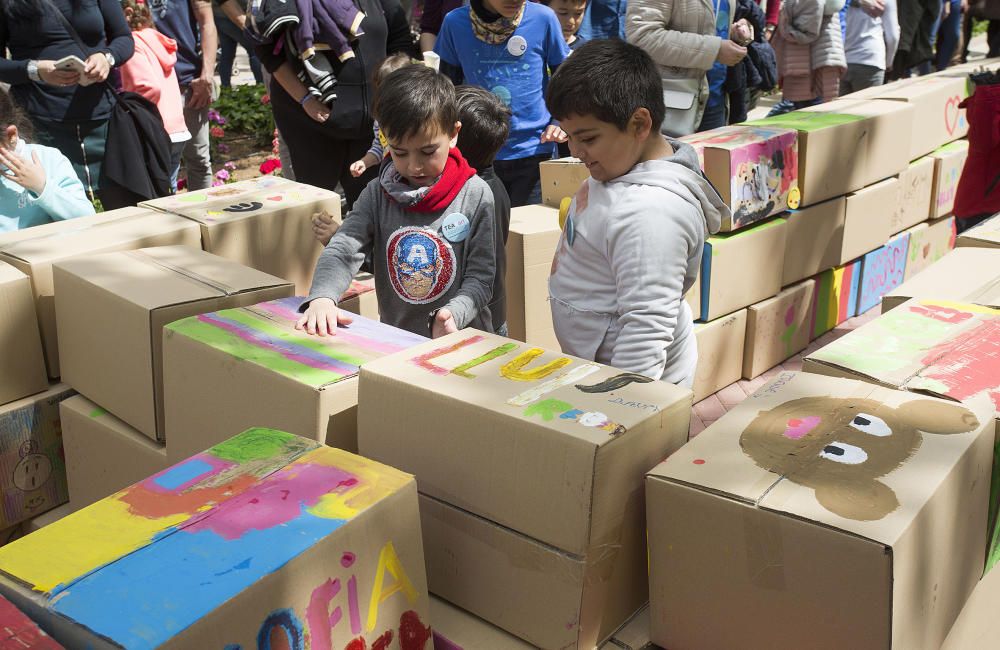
[421, 264]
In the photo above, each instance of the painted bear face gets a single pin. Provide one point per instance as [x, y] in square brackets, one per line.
[839, 447]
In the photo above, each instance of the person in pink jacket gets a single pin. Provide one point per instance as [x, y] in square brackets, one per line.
[150, 73]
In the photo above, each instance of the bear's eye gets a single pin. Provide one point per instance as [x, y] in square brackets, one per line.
[871, 425]
[841, 452]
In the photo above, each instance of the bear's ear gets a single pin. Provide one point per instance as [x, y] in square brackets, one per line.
[862, 500]
[937, 416]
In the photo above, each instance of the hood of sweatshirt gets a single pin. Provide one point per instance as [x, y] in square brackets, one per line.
[681, 175]
[163, 47]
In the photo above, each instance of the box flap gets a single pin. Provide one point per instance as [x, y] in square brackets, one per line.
[265, 335]
[845, 454]
[735, 136]
[532, 219]
[9, 274]
[963, 275]
[987, 232]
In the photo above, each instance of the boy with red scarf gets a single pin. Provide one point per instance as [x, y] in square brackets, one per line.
[426, 222]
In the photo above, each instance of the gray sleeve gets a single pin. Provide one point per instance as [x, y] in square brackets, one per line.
[344, 255]
[376, 148]
[480, 266]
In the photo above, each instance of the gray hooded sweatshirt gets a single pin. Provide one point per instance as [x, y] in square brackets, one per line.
[630, 249]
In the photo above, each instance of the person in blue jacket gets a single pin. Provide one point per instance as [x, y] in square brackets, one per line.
[39, 184]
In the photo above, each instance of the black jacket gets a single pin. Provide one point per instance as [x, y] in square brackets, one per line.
[137, 157]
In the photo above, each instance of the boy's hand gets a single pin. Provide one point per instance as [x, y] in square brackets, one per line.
[553, 133]
[322, 318]
[443, 324]
[324, 227]
[358, 168]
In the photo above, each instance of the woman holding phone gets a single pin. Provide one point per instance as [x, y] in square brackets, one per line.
[69, 108]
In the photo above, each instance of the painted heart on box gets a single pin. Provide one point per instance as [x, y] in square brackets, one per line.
[276, 197]
[951, 114]
[927, 251]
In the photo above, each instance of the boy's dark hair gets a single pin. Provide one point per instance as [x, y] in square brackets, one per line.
[413, 98]
[485, 125]
[11, 113]
[389, 65]
[609, 79]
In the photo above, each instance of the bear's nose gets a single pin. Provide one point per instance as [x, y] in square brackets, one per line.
[798, 427]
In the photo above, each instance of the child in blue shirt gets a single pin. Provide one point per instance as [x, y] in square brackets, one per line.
[509, 47]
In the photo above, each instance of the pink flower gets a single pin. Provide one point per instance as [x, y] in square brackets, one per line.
[217, 183]
[217, 132]
[182, 183]
[214, 116]
[265, 99]
[231, 166]
[269, 166]
[222, 175]
[223, 147]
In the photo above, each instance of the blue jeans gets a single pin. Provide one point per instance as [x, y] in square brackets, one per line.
[951, 29]
[229, 36]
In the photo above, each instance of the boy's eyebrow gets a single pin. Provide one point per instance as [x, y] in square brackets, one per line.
[584, 130]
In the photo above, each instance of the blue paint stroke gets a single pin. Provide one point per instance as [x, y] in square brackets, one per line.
[178, 475]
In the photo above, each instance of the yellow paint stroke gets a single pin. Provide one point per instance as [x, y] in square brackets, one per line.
[375, 482]
[513, 369]
[388, 559]
[959, 306]
[81, 543]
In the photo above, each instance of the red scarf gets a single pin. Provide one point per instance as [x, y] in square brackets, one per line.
[456, 173]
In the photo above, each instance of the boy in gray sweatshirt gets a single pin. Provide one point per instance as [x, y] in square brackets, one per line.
[426, 222]
[634, 233]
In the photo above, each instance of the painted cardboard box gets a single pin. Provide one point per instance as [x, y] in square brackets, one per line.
[360, 298]
[889, 123]
[266, 224]
[754, 168]
[978, 626]
[826, 140]
[777, 328]
[963, 275]
[253, 360]
[531, 245]
[882, 270]
[31, 456]
[103, 454]
[985, 235]
[929, 242]
[858, 510]
[457, 629]
[916, 184]
[46, 518]
[814, 240]
[34, 250]
[112, 308]
[560, 179]
[868, 219]
[836, 297]
[720, 353]
[530, 464]
[266, 537]
[19, 631]
[949, 161]
[938, 119]
[22, 371]
[741, 268]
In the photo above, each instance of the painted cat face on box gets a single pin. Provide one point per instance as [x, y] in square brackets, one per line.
[840, 447]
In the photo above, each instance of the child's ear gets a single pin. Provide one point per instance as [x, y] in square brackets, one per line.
[642, 123]
[10, 134]
[454, 134]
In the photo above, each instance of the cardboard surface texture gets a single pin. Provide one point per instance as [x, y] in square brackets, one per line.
[868, 219]
[531, 245]
[963, 275]
[889, 123]
[530, 465]
[928, 243]
[985, 235]
[226, 371]
[360, 299]
[264, 223]
[755, 170]
[777, 328]
[814, 240]
[22, 367]
[114, 307]
[34, 250]
[561, 178]
[858, 510]
[937, 119]
[836, 298]
[634, 635]
[978, 626]
[33, 478]
[916, 184]
[741, 268]
[103, 454]
[266, 536]
[721, 346]
[948, 163]
[457, 629]
[882, 270]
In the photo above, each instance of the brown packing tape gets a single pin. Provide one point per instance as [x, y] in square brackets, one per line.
[224, 289]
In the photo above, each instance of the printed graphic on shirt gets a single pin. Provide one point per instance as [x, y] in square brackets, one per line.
[421, 264]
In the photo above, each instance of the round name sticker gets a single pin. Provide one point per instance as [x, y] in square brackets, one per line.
[455, 227]
[517, 46]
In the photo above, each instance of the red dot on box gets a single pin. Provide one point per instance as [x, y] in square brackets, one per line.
[698, 461]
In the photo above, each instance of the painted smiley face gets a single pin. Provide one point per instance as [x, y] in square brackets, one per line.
[32, 472]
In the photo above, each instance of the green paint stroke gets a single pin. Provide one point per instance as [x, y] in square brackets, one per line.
[718, 240]
[98, 412]
[463, 370]
[253, 444]
[954, 147]
[807, 121]
[993, 549]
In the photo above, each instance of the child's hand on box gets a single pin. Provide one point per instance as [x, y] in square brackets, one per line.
[322, 318]
[443, 324]
[324, 227]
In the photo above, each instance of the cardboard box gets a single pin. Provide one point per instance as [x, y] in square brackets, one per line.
[836, 297]
[114, 307]
[889, 123]
[22, 371]
[857, 509]
[46, 518]
[266, 536]
[31, 456]
[525, 459]
[531, 245]
[963, 275]
[34, 250]
[561, 178]
[263, 372]
[103, 454]
[882, 271]
[949, 161]
[19, 631]
[938, 119]
[826, 140]
[929, 242]
[360, 299]
[720, 353]
[916, 184]
[634, 635]
[457, 629]
[978, 625]
[814, 240]
[985, 235]
[754, 168]
[777, 328]
[268, 229]
[868, 219]
[741, 268]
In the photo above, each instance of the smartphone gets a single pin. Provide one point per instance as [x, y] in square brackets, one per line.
[71, 63]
